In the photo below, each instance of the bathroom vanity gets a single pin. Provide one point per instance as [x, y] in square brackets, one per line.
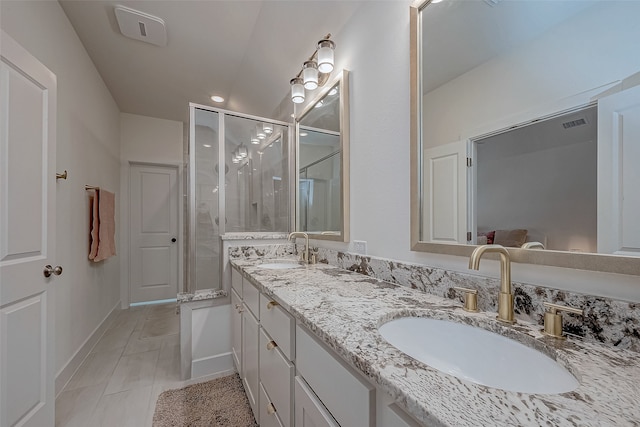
[307, 346]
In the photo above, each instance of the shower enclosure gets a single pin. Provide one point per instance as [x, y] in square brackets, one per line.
[239, 180]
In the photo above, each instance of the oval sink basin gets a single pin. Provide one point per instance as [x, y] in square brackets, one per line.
[479, 356]
[279, 265]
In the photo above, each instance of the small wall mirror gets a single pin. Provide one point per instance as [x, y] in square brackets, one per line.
[322, 135]
[521, 112]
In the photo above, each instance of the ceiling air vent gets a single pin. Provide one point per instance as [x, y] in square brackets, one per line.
[141, 26]
[573, 123]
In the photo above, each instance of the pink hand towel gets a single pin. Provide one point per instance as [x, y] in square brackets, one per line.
[94, 224]
[107, 230]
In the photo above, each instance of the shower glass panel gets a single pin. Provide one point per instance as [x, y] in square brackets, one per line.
[205, 255]
[319, 183]
[257, 193]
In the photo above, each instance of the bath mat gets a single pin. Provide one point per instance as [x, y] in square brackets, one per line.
[216, 403]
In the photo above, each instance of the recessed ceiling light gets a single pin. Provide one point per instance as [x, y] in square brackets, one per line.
[216, 98]
[303, 134]
[333, 91]
[206, 145]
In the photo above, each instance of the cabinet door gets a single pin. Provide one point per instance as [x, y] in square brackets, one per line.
[309, 411]
[236, 330]
[250, 360]
[236, 281]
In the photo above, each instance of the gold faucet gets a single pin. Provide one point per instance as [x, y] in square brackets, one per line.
[505, 298]
[305, 255]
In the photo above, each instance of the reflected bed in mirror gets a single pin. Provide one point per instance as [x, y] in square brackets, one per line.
[322, 135]
[520, 113]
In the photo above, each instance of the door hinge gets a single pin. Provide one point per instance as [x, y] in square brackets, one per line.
[469, 163]
[468, 236]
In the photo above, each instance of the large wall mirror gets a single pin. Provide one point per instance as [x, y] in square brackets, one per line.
[525, 122]
[322, 135]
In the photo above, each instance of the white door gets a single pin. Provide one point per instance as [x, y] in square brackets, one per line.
[27, 237]
[445, 194]
[153, 232]
[619, 173]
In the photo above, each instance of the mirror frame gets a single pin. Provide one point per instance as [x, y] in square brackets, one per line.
[606, 263]
[341, 79]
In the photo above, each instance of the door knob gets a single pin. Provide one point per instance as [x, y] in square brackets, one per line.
[173, 240]
[48, 270]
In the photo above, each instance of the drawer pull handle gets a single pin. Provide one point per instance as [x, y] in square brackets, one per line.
[271, 304]
[271, 409]
[271, 345]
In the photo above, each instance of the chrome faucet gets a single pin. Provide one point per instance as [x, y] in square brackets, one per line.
[505, 297]
[305, 255]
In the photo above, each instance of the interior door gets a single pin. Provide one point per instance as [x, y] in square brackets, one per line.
[618, 173]
[445, 193]
[154, 232]
[27, 237]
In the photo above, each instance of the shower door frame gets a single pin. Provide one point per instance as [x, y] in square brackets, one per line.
[291, 168]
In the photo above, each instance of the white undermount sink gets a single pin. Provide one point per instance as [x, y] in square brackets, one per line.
[279, 265]
[477, 355]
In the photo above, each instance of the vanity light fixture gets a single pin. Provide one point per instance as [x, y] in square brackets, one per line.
[254, 138]
[242, 151]
[260, 132]
[297, 90]
[333, 91]
[315, 70]
[310, 75]
[267, 128]
[325, 55]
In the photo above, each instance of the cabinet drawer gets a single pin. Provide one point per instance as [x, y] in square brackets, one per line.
[251, 297]
[279, 324]
[236, 281]
[269, 413]
[348, 396]
[309, 410]
[276, 375]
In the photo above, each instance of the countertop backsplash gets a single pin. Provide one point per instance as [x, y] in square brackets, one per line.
[610, 322]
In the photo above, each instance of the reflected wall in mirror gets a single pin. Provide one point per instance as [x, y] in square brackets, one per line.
[520, 114]
[322, 134]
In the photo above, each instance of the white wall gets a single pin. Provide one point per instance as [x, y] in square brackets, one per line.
[588, 51]
[147, 140]
[88, 148]
[380, 155]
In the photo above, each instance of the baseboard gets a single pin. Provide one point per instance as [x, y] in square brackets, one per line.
[212, 365]
[209, 377]
[64, 375]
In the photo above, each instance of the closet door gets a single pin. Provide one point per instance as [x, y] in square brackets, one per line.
[154, 231]
[27, 237]
[618, 173]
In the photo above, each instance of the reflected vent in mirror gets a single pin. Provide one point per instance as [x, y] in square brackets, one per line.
[574, 123]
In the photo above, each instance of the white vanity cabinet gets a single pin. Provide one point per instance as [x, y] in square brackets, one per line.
[291, 378]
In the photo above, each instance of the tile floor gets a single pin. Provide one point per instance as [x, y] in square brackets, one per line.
[118, 384]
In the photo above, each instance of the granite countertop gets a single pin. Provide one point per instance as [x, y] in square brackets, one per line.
[344, 309]
[201, 295]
